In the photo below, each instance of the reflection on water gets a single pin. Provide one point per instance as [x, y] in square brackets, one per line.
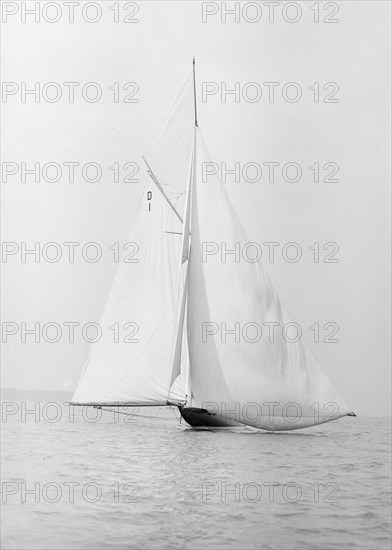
[155, 483]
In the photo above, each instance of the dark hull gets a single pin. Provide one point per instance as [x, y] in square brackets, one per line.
[198, 418]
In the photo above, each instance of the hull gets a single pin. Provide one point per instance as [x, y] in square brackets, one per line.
[198, 418]
[202, 418]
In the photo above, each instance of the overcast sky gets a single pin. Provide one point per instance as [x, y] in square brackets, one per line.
[156, 53]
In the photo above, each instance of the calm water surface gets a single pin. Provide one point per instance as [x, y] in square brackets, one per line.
[154, 483]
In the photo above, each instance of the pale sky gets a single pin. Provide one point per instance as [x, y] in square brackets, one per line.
[156, 52]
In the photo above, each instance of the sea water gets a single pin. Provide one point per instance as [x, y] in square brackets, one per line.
[128, 482]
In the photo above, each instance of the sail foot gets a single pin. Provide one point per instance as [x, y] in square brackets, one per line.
[269, 416]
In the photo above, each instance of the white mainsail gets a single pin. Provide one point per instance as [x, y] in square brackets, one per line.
[242, 375]
[147, 292]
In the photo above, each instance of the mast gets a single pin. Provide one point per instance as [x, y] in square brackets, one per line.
[194, 90]
[192, 189]
[182, 289]
[182, 286]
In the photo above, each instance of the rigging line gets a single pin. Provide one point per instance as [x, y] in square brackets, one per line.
[138, 414]
[174, 187]
[194, 91]
[113, 410]
[175, 415]
[115, 404]
[154, 179]
[176, 196]
[176, 106]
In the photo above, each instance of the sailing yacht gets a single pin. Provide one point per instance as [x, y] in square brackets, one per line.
[174, 299]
